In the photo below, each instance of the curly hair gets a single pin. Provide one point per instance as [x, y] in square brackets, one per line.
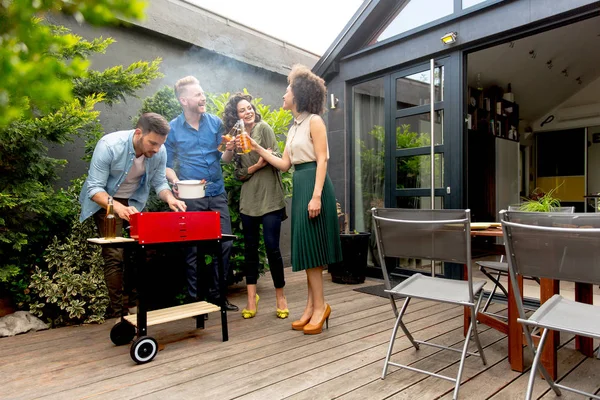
[309, 90]
[230, 114]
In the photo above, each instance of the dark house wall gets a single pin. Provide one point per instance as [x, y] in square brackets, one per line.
[482, 27]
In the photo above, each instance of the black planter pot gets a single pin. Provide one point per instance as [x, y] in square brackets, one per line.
[352, 269]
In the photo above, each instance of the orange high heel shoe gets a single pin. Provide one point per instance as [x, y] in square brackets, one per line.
[310, 329]
[299, 324]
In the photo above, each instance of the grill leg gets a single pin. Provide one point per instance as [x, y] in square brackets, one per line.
[222, 290]
[142, 317]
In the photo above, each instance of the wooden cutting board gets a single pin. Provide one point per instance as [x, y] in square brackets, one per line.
[115, 240]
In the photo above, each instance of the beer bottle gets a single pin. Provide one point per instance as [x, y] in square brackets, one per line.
[228, 137]
[245, 144]
[110, 222]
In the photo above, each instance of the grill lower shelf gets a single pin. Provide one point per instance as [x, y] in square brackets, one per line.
[175, 313]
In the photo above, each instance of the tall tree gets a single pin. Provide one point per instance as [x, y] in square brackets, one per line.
[31, 211]
[32, 64]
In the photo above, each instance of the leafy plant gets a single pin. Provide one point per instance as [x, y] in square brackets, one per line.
[32, 212]
[540, 201]
[162, 102]
[70, 288]
[37, 64]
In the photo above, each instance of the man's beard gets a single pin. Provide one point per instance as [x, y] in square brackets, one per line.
[196, 109]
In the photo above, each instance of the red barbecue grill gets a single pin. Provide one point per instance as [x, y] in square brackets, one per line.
[154, 229]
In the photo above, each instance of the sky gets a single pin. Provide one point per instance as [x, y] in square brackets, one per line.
[310, 24]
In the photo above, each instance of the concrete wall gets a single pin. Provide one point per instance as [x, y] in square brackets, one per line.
[182, 20]
[216, 73]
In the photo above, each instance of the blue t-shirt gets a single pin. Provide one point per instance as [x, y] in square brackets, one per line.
[193, 153]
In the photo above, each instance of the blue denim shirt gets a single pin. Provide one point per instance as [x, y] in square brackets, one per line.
[193, 153]
[112, 160]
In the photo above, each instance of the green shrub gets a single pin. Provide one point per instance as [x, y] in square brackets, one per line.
[162, 102]
[70, 288]
[36, 219]
[36, 61]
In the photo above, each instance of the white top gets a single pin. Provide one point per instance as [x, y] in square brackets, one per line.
[299, 144]
[132, 180]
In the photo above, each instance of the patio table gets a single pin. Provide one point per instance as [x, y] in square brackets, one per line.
[514, 331]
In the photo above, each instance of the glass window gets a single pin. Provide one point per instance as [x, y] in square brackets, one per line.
[414, 172]
[419, 265]
[369, 150]
[469, 3]
[415, 130]
[415, 13]
[414, 90]
[423, 202]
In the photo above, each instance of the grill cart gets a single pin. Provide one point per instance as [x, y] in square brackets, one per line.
[156, 229]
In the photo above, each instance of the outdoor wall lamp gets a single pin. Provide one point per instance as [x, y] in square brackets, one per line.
[333, 101]
[449, 38]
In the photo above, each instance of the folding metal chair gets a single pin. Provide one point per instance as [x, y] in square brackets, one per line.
[494, 270]
[437, 235]
[558, 246]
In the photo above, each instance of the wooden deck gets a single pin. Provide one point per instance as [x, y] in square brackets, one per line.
[265, 359]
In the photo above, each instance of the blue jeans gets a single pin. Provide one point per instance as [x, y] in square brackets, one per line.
[210, 285]
[271, 223]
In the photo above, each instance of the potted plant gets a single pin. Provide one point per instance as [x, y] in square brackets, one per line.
[355, 247]
[539, 201]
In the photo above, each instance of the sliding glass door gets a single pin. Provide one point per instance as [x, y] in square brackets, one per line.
[406, 148]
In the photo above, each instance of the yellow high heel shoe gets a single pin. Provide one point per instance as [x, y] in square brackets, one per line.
[310, 329]
[283, 313]
[251, 313]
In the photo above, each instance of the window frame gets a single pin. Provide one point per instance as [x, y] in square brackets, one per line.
[458, 13]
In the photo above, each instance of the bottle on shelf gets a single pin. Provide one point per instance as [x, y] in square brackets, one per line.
[509, 95]
[110, 222]
[478, 83]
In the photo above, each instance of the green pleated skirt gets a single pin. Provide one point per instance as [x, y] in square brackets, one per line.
[315, 241]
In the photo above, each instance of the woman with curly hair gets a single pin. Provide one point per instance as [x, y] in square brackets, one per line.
[262, 201]
[315, 231]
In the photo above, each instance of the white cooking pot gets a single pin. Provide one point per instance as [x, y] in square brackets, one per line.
[191, 189]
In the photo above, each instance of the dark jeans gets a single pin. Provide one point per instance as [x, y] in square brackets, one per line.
[271, 223]
[210, 286]
[118, 271]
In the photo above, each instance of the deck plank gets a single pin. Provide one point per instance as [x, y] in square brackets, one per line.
[265, 359]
